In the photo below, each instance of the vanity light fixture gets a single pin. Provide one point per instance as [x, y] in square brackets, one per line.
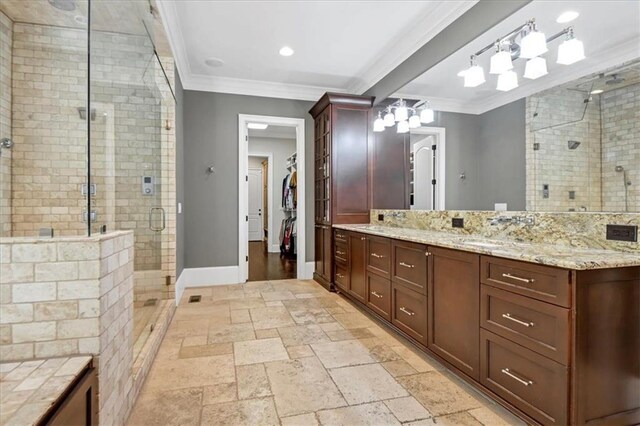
[571, 50]
[597, 91]
[535, 68]
[406, 117]
[528, 43]
[567, 16]
[257, 126]
[508, 80]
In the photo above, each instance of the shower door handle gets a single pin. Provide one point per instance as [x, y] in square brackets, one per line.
[164, 221]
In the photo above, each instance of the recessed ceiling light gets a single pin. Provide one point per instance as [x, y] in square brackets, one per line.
[286, 51]
[257, 126]
[214, 62]
[597, 91]
[567, 16]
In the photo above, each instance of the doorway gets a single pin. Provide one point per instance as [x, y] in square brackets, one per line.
[427, 159]
[271, 201]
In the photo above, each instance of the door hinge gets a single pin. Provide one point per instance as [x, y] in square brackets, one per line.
[433, 147]
[246, 258]
[247, 218]
[433, 181]
[246, 178]
[246, 138]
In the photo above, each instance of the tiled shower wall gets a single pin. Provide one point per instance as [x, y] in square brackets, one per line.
[129, 139]
[608, 135]
[6, 36]
[621, 147]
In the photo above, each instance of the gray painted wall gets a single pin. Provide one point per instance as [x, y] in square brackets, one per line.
[180, 228]
[211, 201]
[501, 157]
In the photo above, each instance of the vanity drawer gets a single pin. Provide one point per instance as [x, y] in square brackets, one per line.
[342, 277]
[409, 265]
[340, 235]
[379, 255]
[540, 282]
[379, 295]
[539, 326]
[409, 312]
[341, 252]
[536, 385]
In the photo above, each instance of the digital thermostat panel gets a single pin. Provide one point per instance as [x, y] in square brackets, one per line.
[148, 185]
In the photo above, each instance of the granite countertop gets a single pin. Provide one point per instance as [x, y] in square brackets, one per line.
[28, 389]
[544, 254]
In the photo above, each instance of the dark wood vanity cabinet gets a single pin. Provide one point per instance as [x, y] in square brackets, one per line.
[554, 346]
[79, 405]
[341, 155]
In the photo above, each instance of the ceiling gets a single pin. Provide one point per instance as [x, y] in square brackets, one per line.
[610, 31]
[274, 132]
[342, 46]
[124, 17]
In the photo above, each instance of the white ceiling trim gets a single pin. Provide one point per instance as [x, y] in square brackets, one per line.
[622, 53]
[169, 16]
[407, 44]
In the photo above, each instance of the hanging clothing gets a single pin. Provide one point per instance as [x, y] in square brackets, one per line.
[288, 238]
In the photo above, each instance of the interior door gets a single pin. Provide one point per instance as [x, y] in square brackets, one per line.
[423, 173]
[255, 204]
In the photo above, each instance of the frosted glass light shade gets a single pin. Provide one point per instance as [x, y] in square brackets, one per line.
[535, 68]
[389, 120]
[570, 52]
[500, 63]
[507, 81]
[414, 121]
[473, 77]
[426, 116]
[403, 127]
[533, 44]
[378, 125]
[401, 114]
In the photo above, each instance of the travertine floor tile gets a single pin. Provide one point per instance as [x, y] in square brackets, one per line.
[301, 420]
[215, 394]
[248, 303]
[268, 333]
[342, 354]
[231, 333]
[439, 394]
[407, 409]
[415, 360]
[375, 414]
[302, 335]
[241, 413]
[300, 351]
[366, 383]
[252, 381]
[302, 386]
[239, 316]
[205, 350]
[458, 419]
[257, 351]
[353, 320]
[272, 296]
[489, 418]
[399, 368]
[185, 373]
[349, 334]
[264, 318]
[312, 316]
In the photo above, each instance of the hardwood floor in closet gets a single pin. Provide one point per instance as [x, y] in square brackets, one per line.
[265, 266]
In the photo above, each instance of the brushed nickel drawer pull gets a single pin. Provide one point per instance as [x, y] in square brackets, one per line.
[340, 252]
[406, 265]
[378, 295]
[406, 311]
[363, 238]
[427, 253]
[340, 236]
[513, 277]
[525, 382]
[379, 256]
[340, 275]
[511, 318]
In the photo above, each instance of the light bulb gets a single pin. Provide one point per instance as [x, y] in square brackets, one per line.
[533, 44]
[535, 68]
[570, 52]
[403, 127]
[401, 113]
[378, 124]
[426, 116]
[474, 76]
[500, 63]
[414, 121]
[507, 81]
[389, 120]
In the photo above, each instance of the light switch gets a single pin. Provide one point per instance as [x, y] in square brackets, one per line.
[179, 208]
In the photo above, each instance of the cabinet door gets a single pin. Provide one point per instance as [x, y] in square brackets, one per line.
[358, 266]
[319, 257]
[327, 255]
[454, 308]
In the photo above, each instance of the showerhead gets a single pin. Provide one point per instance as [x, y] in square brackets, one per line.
[573, 144]
[615, 79]
[619, 169]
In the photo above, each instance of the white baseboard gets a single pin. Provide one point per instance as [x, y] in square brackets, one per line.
[275, 248]
[180, 284]
[204, 277]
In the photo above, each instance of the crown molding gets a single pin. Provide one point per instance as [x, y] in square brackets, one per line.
[169, 16]
[404, 45]
[624, 52]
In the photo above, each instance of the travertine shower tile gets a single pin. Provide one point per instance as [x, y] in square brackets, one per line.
[366, 383]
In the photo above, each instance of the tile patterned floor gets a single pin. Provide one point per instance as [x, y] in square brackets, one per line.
[289, 352]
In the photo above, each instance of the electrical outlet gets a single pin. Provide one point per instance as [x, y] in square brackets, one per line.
[381, 217]
[622, 233]
[457, 222]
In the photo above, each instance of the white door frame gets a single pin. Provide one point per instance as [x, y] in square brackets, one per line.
[243, 189]
[440, 134]
[270, 224]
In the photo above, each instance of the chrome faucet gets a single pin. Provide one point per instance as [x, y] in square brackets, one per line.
[518, 220]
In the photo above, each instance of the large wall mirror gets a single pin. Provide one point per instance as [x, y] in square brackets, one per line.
[540, 113]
